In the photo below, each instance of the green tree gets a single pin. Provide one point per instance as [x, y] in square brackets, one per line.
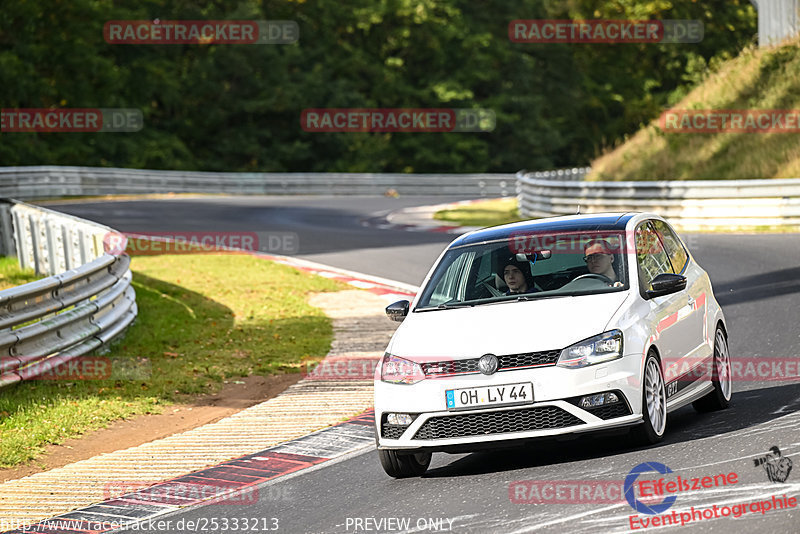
[238, 107]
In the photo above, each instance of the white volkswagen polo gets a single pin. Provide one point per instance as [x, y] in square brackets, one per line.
[549, 327]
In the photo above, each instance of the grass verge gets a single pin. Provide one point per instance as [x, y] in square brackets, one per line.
[483, 213]
[11, 275]
[758, 79]
[495, 212]
[203, 319]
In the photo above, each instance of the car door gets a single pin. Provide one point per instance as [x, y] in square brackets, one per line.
[667, 313]
[693, 319]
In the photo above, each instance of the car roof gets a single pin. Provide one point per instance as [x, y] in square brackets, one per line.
[569, 223]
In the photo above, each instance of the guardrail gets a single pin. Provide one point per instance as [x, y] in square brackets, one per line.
[778, 20]
[697, 204]
[691, 205]
[54, 181]
[51, 321]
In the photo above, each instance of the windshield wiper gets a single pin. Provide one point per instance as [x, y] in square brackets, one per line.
[448, 306]
[534, 296]
[476, 303]
[471, 304]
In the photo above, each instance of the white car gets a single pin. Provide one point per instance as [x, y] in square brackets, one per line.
[548, 327]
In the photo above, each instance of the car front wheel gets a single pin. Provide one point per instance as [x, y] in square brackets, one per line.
[399, 464]
[654, 404]
[720, 397]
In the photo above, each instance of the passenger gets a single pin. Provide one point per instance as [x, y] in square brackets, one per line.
[600, 260]
[518, 278]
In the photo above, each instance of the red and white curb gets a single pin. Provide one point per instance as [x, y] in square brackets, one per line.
[232, 482]
[51, 492]
[389, 290]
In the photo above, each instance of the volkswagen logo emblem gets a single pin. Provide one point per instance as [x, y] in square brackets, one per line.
[487, 364]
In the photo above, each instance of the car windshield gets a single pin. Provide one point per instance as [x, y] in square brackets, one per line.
[527, 267]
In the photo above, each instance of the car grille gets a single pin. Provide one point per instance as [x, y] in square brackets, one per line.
[481, 424]
[610, 411]
[505, 363]
[392, 431]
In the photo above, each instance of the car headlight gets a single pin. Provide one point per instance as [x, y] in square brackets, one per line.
[597, 349]
[396, 370]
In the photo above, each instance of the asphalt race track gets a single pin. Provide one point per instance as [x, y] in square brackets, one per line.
[328, 230]
[756, 278]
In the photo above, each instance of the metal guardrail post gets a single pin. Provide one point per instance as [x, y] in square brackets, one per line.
[82, 246]
[23, 252]
[7, 247]
[52, 247]
[66, 243]
[35, 243]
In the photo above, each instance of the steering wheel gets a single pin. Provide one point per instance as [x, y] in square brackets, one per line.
[601, 277]
[485, 283]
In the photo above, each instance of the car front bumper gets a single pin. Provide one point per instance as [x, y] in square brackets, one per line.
[554, 412]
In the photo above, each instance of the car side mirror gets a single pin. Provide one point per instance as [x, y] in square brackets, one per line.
[666, 284]
[397, 311]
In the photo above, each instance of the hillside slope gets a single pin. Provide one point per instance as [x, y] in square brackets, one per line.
[758, 79]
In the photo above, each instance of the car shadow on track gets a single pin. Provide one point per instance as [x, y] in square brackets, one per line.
[747, 409]
[758, 287]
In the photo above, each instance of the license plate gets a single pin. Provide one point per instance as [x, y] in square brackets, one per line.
[501, 395]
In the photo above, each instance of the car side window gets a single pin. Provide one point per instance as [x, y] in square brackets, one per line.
[447, 287]
[484, 265]
[481, 270]
[651, 257]
[677, 254]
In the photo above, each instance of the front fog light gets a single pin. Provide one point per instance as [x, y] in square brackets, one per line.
[399, 419]
[600, 399]
[592, 401]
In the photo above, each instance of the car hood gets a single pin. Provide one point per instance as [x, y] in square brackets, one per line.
[504, 328]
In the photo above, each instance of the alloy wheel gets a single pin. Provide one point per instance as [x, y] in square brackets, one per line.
[655, 396]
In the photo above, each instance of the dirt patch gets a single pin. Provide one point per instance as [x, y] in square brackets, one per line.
[144, 428]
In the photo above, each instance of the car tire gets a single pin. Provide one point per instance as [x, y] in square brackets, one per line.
[654, 403]
[404, 464]
[720, 397]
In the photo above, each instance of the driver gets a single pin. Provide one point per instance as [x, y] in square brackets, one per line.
[517, 276]
[600, 260]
